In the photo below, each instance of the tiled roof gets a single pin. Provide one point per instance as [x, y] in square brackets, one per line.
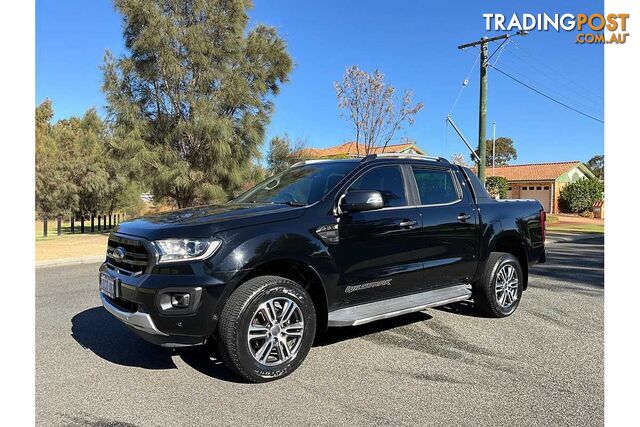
[351, 149]
[533, 172]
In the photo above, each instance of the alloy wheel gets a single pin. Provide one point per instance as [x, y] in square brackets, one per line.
[507, 286]
[275, 331]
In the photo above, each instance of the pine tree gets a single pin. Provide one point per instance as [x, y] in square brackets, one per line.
[190, 100]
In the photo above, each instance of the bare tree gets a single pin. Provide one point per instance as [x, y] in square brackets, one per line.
[370, 105]
[459, 159]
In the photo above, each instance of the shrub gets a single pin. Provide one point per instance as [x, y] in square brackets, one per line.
[497, 185]
[579, 196]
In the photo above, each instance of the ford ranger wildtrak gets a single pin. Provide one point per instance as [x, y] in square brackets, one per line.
[326, 243]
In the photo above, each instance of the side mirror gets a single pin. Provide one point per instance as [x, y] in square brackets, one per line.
[361, 200]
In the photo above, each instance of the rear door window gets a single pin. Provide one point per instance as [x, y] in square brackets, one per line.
[436, 186]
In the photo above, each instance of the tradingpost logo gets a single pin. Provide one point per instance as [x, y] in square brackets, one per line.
[595, 28]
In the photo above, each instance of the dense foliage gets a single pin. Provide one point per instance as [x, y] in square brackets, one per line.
[283, 153]
[579, 196]
[596, 164]
[76, 172]
[497, 185]
[505, 151]
[190, 100]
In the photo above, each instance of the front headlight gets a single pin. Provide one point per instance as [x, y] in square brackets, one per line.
[176, 250]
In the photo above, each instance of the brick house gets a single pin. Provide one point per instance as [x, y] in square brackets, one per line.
[541, 181]
[351, 149]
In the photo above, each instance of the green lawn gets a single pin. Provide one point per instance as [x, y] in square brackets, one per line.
[576, 228]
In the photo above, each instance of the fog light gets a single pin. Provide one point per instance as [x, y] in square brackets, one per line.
[180, 300]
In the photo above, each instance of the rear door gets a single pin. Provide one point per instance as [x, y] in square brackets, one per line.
[379, 252]
[450, 229]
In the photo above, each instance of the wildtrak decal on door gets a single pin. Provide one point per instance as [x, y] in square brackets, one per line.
[353, 288]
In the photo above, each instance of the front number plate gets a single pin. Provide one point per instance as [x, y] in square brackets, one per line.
[108, 285]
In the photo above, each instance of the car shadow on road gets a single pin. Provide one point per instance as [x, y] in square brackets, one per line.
[336, 335]
[96, 330]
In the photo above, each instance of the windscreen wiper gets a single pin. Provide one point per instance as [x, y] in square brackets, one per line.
[293, 203]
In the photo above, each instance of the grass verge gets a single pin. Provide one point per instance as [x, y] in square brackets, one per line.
[70, 246]
[576, 228]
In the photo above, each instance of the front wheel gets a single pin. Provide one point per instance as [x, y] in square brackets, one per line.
[499, 291]
[266, 328]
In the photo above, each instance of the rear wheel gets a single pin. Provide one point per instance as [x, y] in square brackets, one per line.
[499, 291]
[266, 328]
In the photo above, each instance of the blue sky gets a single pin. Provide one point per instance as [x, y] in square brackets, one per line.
[412, 42]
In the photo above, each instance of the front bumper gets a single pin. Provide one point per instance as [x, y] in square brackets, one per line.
[138, 306]
[136, 320]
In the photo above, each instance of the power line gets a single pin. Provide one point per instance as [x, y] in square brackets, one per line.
[497, 49]
[560, 73]
[545, 95]
[546, 85]
[464, 84]
[578, 91]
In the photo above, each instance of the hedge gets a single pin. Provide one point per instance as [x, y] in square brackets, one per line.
[497, 185]
[579, 196]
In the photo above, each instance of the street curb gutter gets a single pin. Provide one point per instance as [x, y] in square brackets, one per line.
[69, 261]
[569, 237]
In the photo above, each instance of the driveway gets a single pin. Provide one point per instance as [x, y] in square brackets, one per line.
[541, 366]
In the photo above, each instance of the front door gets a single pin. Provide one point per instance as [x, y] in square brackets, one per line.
[379, 251]
[449, 227]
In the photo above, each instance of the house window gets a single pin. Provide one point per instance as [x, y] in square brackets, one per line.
[509, 188]
[546, 188]
[539, 188]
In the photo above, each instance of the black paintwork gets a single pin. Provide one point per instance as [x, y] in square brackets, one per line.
[416, 247]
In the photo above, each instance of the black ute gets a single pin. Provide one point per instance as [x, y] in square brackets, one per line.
[323, 244]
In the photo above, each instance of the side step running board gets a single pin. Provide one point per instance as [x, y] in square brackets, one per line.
[365, 313]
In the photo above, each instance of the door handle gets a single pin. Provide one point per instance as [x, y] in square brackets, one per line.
[407, 223]
[463, 217]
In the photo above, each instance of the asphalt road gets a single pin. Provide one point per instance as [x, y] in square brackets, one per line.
[541, 366]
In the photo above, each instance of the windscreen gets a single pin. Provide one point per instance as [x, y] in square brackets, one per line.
[299, 185]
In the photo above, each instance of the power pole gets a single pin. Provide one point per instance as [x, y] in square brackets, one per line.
[494, 149]
[482, 114]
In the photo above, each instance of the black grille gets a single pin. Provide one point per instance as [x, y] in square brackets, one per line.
[136, 257]
[124, 304]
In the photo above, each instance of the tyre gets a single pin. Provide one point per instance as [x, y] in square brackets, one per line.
[499, 291]
[266, 328]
